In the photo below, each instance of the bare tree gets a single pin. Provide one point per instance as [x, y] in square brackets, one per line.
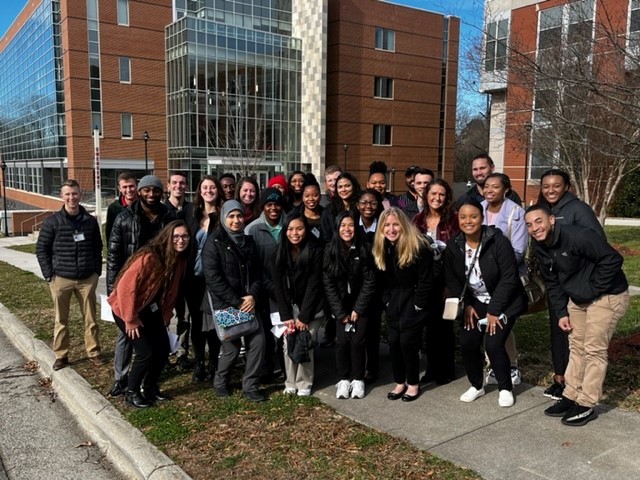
[236, 133]
[578, 96]
[472, 138]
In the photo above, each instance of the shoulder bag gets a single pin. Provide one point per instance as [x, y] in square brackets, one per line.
[453, 306]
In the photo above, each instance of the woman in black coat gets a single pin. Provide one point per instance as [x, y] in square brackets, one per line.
[494, 293]
[405, 259]
[349, 286]
[233, 276]
[297, 284]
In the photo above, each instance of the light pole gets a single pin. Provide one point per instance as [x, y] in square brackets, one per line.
[527, 126]
[345, 147]
[145, 137]
[4, 197]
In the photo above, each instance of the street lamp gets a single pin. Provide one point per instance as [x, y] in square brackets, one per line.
[345, 147]
[527, 126]
[4, 197]
[145, 137]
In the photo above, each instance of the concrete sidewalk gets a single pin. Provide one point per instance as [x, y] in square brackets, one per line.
[498, 443]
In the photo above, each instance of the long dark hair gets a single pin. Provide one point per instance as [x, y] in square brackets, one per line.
[292, 196]
[336, 206]
[548, 173]
[283, 260]
[446, 210]
[163, 259]
[336, 248]
[255, 207]
[199, 201]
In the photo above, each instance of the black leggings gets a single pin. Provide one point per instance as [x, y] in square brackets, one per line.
[471, 345]
[404, 346]
[559, 344]
[151, 350]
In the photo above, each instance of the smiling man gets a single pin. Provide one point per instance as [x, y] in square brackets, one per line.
[589, 294]
[481, 167]
[69, 251]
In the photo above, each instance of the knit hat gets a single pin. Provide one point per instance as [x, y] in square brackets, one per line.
[150, 181]
[279, 180]
[270, 194]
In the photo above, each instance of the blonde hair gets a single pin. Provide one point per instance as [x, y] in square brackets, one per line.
[408, 244]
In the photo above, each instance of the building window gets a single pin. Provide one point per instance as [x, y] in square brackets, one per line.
[385, 39]
[125, 69]
[382, 134]
[123, 12]
[126, 127]
[634, 28]
[495, 47]
[383, 87]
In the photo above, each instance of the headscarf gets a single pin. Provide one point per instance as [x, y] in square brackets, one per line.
[228, 207]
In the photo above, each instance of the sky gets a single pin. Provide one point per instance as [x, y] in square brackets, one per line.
[469, 11]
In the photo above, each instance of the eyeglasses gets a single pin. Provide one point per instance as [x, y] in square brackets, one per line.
[185, 238]
[372, 203]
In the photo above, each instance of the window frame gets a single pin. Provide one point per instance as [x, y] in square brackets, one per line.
[382, 135]
[123, 117]
[128, 69]
[382, 38]
[120, 13]
[381, 86]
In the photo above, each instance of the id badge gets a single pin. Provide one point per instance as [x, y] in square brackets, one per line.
[316, 232]
[153, 307]
[78, 237]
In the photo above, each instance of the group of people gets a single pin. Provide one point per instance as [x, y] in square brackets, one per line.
[296, 257]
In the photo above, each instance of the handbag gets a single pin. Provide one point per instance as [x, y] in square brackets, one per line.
[231, 323]
[453, 306]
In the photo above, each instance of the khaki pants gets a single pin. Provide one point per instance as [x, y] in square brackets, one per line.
[85, 291]
[300, 375]
[592, 325]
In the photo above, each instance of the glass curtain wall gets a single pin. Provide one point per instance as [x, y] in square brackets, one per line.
[32, 121]
[233, 90]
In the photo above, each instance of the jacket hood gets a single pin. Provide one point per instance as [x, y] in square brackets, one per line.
[564, 200]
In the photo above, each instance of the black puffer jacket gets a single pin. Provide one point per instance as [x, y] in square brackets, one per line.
[302, 286]
[570, 210]
[230, 272]
[59, 254]
[499, 272]
[355, 289]
[407, 288]
[125, 237]
[578, 264]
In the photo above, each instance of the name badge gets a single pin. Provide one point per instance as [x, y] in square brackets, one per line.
[154, 307]
[78, 237]
[316, 232]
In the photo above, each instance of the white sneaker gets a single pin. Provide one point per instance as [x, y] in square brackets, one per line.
[505, 398]
[357, 389]
[471, 394]
[343, 389]
[304, 392]
[491, 379]
[516, 377]
[289, 391]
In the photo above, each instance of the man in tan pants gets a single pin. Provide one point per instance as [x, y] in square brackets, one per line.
[69, 252]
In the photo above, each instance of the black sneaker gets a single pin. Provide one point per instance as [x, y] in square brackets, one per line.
[184, 363]
[254, 396]
[554, 391]
[135, 399]
[222, 392]
[560, 408]
[579, 416]
[199, 374]
[117, 389]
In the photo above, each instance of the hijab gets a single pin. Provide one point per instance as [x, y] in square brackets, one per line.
[228, 207]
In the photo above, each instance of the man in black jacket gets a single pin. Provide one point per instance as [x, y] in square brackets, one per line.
[133, 228]
[69, 252]
[589, 294]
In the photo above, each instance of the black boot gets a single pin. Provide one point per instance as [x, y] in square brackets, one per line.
[135, 399]
[211, 371]
[199, 374]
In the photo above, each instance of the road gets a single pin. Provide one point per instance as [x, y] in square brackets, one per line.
[39, 439]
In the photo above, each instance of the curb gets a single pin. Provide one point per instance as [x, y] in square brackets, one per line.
[123, 445]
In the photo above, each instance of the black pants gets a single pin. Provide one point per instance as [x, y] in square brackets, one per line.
[194, 295]
[471, 342]
[372, 338]
[151, 350]
[440, 343]
[350, 350]
[559, 344]
[404, 347]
